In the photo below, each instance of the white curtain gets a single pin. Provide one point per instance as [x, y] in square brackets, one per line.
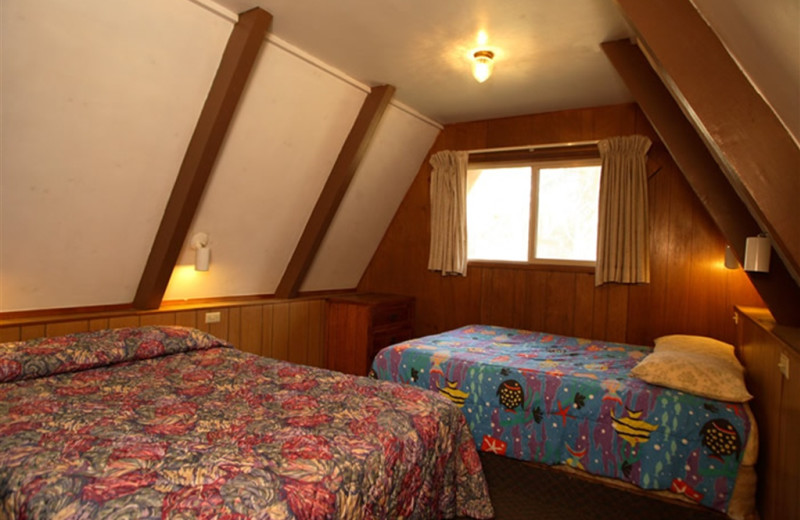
[448, 251]
[623, 253]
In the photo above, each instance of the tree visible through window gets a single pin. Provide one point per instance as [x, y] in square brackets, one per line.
[536, 212]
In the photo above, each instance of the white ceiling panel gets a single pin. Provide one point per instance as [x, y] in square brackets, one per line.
[390, 165]
[284, 140]
[99, 100]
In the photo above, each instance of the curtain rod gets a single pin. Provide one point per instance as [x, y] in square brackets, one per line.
[533, 147]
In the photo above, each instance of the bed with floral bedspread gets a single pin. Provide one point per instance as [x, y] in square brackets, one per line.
[168, 422]
[568, 401]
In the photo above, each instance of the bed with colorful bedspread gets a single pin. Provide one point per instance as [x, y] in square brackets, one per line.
[167, 422]
[568, 401]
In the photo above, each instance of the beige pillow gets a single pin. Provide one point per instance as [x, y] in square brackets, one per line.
[703, 375]
[698, 345]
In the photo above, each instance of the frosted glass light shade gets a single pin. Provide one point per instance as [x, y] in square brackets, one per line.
[482, 65]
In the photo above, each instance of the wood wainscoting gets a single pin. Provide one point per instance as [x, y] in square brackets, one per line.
[763, 347]
[281, 329]
[689, 292]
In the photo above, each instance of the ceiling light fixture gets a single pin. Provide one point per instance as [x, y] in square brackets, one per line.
[482, 65]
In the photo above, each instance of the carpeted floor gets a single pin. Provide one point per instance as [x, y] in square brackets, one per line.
[522, 492]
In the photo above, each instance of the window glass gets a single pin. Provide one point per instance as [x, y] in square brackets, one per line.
[498, 213]
[567, 213]
[537, 213]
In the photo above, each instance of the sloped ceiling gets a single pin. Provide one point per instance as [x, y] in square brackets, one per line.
[756, 154]
[99, 100]
[764, 39]
[546, 53]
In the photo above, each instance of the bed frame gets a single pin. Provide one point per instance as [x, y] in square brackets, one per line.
[764, 348]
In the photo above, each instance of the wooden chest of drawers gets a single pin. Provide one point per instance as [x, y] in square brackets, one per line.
[359, 325]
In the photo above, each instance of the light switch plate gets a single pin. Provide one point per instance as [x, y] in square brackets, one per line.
[783, 365]
[213, 317]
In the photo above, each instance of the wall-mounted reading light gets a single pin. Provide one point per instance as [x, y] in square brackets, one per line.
[756, 254]
[482, 65]
[202, 253]
[730, 259]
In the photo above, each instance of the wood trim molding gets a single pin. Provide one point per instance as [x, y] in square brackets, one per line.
[757, 153]
[234, 70]
[551, 153]
[778, 290]
[342, 173]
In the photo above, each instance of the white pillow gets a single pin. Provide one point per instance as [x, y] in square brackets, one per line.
[699, 374]
[698, 345]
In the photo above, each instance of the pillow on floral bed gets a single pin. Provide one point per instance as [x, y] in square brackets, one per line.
[74, 352]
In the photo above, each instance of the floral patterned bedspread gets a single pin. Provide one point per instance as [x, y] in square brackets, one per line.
[167, 422]
[565, 400]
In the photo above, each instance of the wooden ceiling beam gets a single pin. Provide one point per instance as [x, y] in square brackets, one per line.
[342, 173]
[226, 90]
[758, 155]
[777, 288]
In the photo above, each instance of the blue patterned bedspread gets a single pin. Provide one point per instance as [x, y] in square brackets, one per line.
[171, 423]
[564, 400]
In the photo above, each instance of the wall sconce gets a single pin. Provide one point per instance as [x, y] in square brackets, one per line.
[730, 259]
[756, 254]
[482, 65]
[202, 253]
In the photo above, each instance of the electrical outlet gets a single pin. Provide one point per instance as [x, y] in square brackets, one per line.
[783, 365]
[213, 317]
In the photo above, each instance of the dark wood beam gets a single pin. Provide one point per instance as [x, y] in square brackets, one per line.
[347, 163]
[234, 70]
[777, 288]
[757, 153]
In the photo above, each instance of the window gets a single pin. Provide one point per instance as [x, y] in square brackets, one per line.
[543, 212]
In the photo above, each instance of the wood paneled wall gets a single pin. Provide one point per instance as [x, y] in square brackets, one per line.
[286, 330]
[690, 290]
[776, 406]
